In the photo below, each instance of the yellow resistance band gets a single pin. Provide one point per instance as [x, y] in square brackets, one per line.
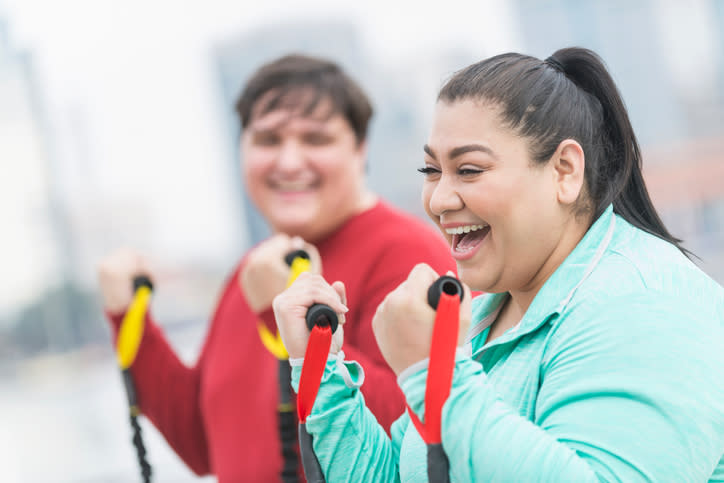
[131, 332]
[273, 342]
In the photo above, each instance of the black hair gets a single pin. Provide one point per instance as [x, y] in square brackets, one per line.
[570, 95]
[301, 82]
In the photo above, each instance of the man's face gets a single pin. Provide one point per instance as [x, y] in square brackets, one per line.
[303, 171]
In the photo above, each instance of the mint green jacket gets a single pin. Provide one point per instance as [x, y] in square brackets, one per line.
[615, 373]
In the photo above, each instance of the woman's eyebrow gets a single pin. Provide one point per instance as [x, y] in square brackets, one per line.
[429, 151]
[460, 150]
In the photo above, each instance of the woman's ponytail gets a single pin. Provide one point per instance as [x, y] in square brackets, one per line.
[618, 178]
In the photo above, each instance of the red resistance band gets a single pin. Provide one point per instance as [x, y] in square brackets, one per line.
[315, 358]
[440, 368]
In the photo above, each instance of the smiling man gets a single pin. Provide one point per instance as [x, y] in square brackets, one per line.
[304, 148]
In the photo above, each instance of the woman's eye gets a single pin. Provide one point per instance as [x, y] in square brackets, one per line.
[469, 171]
[428, 171]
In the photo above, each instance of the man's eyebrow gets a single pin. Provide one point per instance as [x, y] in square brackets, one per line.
[460, 150]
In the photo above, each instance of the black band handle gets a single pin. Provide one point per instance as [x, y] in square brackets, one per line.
[142, 281]
[446, 283]
[289, 257]
[312, 469]
[146, 471]
[438, 466]
[145, 466]
[322, 315]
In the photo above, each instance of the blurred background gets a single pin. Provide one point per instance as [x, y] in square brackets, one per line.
[117, 129]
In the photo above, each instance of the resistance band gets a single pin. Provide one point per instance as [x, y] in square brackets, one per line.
[322, 322]
[298, 262]
[129, 339]
[444, 296]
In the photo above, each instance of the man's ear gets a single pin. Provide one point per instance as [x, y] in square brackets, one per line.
[569, 163]
[362, 153]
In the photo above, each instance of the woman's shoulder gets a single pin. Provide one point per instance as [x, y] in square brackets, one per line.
[645, 270]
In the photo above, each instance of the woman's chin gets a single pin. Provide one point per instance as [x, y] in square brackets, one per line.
[476, 278]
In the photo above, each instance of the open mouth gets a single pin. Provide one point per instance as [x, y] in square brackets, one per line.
[467, 238]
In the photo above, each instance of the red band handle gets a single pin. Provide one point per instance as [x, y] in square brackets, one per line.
[322, 322]
[442, 362]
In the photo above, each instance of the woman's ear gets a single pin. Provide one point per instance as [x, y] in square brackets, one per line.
[569, 163]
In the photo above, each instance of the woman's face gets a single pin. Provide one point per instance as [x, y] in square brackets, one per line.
[304, 172]
[498, 210]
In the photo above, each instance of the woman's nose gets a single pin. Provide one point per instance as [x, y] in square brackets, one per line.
[444, 197]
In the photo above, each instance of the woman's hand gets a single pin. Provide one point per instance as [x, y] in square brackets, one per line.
[115, 277]
[290, 310]
[265, 273]
[404, 320]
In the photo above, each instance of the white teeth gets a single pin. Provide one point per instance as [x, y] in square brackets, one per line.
[293, 186]
[459, 230]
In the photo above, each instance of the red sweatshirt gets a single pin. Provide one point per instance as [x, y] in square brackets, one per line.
[220, 416]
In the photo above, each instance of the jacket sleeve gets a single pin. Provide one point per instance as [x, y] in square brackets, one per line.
[168, 394]
[348, 441]
[381, 391]
[632, 391]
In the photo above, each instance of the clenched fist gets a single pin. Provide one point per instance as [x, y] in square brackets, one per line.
[404, 320]
[290, 310]
[115, 276]
[265, 273]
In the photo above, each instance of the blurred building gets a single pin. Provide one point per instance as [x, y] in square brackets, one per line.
[686, 184]
[667, 58]
[33, 233]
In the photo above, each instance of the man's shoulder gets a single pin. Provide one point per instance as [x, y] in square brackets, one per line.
[393, 223]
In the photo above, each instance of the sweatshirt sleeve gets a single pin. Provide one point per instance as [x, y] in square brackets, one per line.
[391, 268]
[168, 394]
[348, 441]
[632, 391]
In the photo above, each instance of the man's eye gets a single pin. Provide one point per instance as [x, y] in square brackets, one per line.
[317, 139]
[266, 139]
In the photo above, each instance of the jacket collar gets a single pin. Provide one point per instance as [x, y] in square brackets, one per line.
[556, 292]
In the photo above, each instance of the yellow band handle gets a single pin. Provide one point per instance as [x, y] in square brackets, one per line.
[298, 266]
[131, 331]
[273, 342]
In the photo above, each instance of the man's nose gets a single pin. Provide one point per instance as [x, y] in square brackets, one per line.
[291, 156]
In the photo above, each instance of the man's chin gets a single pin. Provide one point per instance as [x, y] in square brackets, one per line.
[297, 227]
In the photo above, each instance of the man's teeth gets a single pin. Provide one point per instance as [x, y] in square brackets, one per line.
[459, 230]
[293, 186]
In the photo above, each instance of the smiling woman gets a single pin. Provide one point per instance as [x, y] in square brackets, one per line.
[595, 354]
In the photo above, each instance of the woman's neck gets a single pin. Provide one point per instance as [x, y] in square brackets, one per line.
[521, 298]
